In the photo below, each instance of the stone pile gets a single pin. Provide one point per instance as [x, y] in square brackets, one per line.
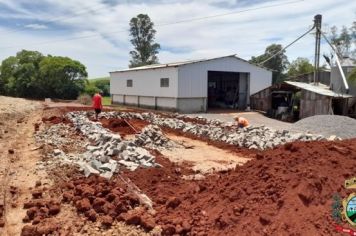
[252, 137]
[104, 154]
[57, 136]
[107, 145]
[152, 137]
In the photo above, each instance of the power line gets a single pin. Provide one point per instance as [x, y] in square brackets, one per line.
[330, 44]
[280, 51]
[160, 25]
[63, 18]
[231, 13]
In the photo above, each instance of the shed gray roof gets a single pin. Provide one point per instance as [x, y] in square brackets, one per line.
[176, 64]
[321, 89]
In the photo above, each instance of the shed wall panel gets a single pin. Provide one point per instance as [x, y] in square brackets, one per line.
[131, 100]
[193, 105]
[147, 101]
[145, 82]
[118, 99]
[167, 103]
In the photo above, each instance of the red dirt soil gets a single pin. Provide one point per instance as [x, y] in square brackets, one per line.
[103, 200]
[123, 127]
[283, 191]
[117, 126]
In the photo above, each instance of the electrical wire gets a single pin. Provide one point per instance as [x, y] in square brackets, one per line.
[58, 19]
[231, 13]
[158, 25]
[330, 44]
[290, 44]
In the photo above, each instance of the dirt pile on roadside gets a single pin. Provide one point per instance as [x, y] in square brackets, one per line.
[287, 190]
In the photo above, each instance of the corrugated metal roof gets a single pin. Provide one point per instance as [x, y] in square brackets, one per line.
[176, 64]
[319, 89]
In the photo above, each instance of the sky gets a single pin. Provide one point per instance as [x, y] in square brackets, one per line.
[96, 32]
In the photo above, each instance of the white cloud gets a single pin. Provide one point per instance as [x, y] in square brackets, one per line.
[36, 26]
[246, 34]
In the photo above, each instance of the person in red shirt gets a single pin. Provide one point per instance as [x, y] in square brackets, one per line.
[97, 105]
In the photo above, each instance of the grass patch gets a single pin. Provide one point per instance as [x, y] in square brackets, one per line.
[106, 101]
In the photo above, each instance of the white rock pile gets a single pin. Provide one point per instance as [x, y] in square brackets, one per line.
[252, 137]
[152, 137]
[108, 144]
[104, 154]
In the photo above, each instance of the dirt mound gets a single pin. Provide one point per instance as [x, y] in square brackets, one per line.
[118, 125]
[283, 191]
[124, 127]
[100, 199]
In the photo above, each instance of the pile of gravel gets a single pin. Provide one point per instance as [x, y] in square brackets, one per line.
[327, 125]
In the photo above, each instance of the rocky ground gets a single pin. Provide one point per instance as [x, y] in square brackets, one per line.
[142, 173]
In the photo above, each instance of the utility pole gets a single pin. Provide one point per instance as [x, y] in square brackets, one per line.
[317, 25]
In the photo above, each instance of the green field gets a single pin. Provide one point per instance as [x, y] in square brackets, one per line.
[97, 79]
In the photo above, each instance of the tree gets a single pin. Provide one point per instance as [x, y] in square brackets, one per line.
[103, 85]
[345, 40]
[143, 35]
[62, 77]
[30, 74]
[300, 66]
[19, 74]
[277, 64]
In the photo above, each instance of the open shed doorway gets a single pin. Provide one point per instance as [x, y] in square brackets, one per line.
[227, 89]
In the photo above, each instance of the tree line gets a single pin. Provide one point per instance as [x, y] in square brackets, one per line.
[30, 74]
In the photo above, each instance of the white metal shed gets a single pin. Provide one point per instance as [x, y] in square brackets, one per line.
[190, 86]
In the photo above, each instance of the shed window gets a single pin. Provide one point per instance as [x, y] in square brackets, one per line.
[164, 82]
[129, 83]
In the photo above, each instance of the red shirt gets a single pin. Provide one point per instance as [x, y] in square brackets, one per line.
[97, 102]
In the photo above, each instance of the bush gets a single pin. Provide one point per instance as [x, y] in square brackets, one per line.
[103, 85]
[91, 89]
[85, 99]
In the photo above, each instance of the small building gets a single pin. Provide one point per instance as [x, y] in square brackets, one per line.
[293, 100]
[190, 86]
[337, 84]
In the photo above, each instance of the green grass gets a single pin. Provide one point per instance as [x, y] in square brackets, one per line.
[96, 79]
[106, 101]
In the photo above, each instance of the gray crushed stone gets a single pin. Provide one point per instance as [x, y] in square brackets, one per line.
[327, 125]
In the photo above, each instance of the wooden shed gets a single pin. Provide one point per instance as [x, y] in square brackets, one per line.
[308, 99]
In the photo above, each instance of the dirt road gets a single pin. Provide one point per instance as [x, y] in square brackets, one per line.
[17, 119]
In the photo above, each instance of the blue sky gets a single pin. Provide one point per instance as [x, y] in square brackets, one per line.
[96, 32]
